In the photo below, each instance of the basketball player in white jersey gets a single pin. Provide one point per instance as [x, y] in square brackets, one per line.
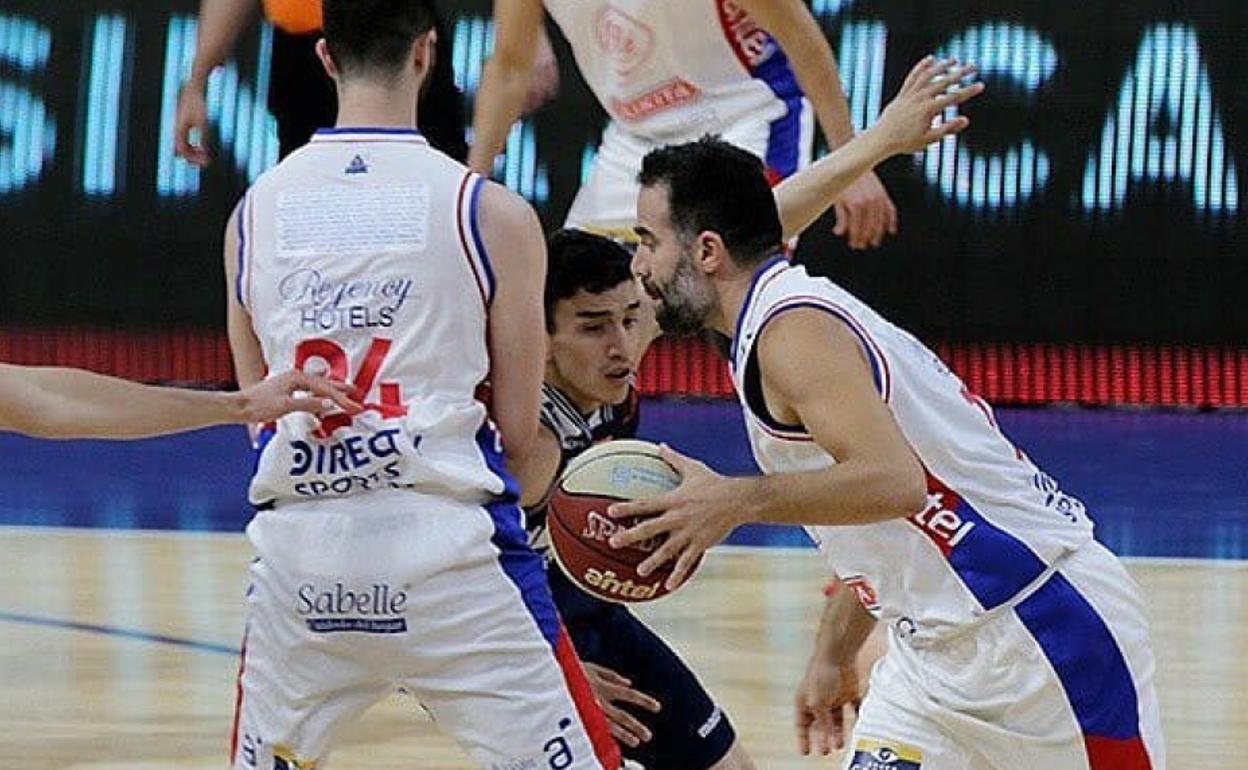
[668, 72]
[51, 402]
[390, 547]
[1015, 639]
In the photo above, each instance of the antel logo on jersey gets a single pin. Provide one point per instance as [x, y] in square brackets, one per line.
[944, 526]
[674, 92]
[377, 609]
[626, 42]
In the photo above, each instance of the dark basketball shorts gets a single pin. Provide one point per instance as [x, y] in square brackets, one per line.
[691, 732]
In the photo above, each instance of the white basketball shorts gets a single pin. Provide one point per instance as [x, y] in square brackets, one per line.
[352, 599]
[1060, 679]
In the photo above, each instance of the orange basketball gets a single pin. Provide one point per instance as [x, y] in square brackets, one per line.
[580, 528]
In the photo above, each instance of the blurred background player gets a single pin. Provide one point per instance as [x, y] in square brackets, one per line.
[301, 96]
[390, 545]
[51, 402]
[1016, 640]
[668, 72]
[597, 330]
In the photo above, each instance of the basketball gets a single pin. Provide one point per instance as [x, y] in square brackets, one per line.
[579, 527]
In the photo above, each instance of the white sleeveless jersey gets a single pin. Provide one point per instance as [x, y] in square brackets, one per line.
[993, 523]
[672, 70]
[361, 256]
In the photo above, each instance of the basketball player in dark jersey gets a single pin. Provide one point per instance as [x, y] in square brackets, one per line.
[597, 329]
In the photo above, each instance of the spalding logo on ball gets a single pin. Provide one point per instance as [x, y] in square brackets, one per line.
[580, 528]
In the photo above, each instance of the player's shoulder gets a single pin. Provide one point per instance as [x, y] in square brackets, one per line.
[505, 207]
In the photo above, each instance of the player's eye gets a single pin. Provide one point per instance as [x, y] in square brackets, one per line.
[630, 322]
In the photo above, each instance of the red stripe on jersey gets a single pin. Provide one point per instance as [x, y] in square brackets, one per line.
[238, 701]
[1116, 753]
[595, 722]
[463, 238]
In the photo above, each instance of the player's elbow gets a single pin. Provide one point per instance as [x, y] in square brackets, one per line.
[906, 488]
[510, 67]
[518, 444]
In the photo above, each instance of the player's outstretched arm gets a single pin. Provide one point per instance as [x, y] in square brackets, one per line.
[864, 212]
[71, 403]
[517, 329]
[505, 79]
[905, 125]
[831, 681]
[220, 24]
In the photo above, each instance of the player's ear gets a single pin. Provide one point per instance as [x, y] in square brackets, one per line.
[327, 61]
[709, 251]
[424, 52]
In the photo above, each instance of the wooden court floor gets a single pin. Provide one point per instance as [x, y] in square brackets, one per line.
[80, 693]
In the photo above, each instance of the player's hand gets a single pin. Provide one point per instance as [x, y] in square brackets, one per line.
[191, 125]
[294, 391]
[826, 692]
[917, 116]
[698, 514]
[865, 214]
[612, 690]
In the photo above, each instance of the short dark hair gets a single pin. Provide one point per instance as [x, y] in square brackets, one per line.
[374, 35]
[713, 185]
[578, 261]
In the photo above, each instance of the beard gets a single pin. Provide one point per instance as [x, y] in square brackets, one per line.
[687, 301]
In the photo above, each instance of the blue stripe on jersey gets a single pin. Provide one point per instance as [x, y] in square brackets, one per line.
[242, 246]
[491, 450]
[784, 139]
[749, 297]
[368, 130]
[992, 563]
[519, 562]
[1085, 656]
[476, 238]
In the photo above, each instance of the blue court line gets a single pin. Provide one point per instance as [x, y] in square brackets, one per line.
[125, 633]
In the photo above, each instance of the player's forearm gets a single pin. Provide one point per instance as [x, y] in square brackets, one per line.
[69, 403]
[220, 24]
[861, 492]
[805, 196]
[499, 102]
[249, 366]
[843, 629]
[817, 74]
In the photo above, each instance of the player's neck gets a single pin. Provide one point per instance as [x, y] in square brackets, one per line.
[365, 104]
[584, 404]
[731, 291]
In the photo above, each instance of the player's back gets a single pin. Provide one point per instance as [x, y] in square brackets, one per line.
[361, 257]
